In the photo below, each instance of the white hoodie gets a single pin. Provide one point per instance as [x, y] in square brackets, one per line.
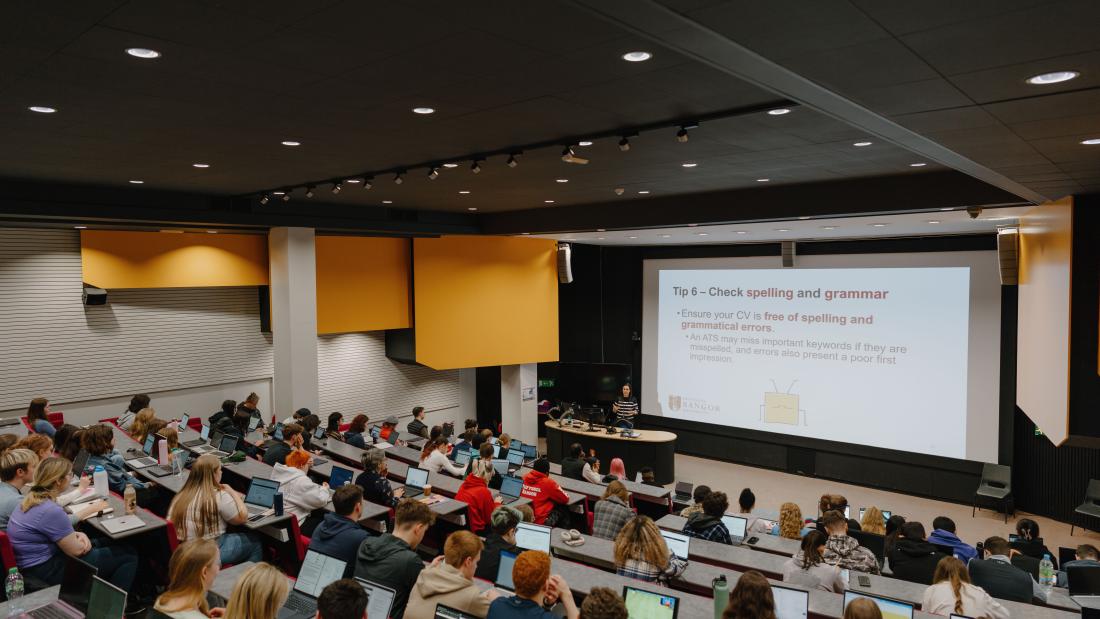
[301, 495]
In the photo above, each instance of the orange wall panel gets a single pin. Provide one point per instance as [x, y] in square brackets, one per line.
[362, 284]
[485, 301]
[118, 259]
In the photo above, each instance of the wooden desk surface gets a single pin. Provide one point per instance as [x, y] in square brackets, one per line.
[647, 436]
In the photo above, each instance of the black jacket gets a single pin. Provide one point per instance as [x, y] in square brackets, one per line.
[573, 468]
[490, 556]
[914, 560]
[277, 453]
[853, 525]
[417, 428]
[1001, 580]
[387, 560]
[1035, 548]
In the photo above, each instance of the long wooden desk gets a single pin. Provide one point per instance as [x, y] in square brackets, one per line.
[653, 448]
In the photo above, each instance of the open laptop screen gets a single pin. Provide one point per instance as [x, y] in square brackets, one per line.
[677, 543]
[515, 456]
[416, 478]
[462, 457]
[791, 603]
[381, 599]
[261, 492]
[891, 609]
[511, 486]
[533, 537]
[642, 604]
[105, 601]
[339, 477]
[504, 570]
[736, 525]
[317, 572]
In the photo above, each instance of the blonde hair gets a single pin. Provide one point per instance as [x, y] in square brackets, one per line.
[482, 468]
[259, 593]
[953, 570]
[171, 435]
[640, 540]
[198, 499]
[185, 582]
[46, 478]
[790, 521]
[14, 459]
[140, 426]
[873, 522]
[617, 488]
[505, 440]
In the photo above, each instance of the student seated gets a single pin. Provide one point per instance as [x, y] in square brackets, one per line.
[343, 599]
[616, 470]
[139, 429]
[126, 419]
[996, 575]
[66, 442]
[40, 444]
[591, 470]
[649, 476]
[16, 471]
[390, 559]
[943, 534]
[469, 431]
[251, 405]
[843, 550]
[612, 511]
[36, 417]
[862, 608]
[572, 466]
[790, 522]
[707, 524]
[873, 521]
[309, 424]
[834, 502]
[302, 496]
[952, 594]
[893, 531]
[292, 439]
[502, 536]
[1086, 556]
[8, 440]
[41, 534]
[750, 598]
[911, 557]
[417, 427]
[355, 433]
[332, 426]
[1030, 543]
[339, 534]
[534, 585]
[204, 506]
[475, 493]
[603, 603]
[376, 487]
[548, 500]
[697, 495]
[191, 572]
[641, 553]
[259, 593]
[223, 418]
[99, 442]
[807, 567]
[434, 458]
[746, 502]
[389, 424]
[450, 582]
[297, 416]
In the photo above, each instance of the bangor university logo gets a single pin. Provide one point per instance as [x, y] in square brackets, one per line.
[674, 402]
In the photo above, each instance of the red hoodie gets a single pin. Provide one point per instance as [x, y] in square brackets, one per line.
[544, 493]
[479, 502]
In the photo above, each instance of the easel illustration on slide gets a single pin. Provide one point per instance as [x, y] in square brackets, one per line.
[781, 407]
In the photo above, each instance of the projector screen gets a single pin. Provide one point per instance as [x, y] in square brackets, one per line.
[899, 351]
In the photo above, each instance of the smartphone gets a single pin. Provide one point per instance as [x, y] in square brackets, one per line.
[864, 581]
[752, 540]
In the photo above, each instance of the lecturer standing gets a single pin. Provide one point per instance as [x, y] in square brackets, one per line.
[626, 407]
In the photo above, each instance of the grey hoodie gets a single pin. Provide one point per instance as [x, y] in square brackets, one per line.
[846, 552]
[443, 584]
[389, 561]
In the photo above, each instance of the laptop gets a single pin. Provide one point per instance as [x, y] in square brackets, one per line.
[415, 480]
[339, 477]
[182, 425]
[204, 435]
[500, 467]
[392, 440]
[642, 604]
[529, 452]
[105, 601]
[890, 608]
[141, 461]
[122, 524]
[316, 573]
[76, 586]
[1083, 580]
[736, 526]
[504, 570]
[462, 457]
[215, 439]
[319, 433]
[496, 451]
[791, 603]
[227, 446]
[515, 460]
[510, 488]
[461, 447]
[533, 537]
[683, 491]
[885, 514]
[260, 498]
[381, 599]
[678, 543]
[446, 612]
[253, 423]
[80, 463]
[375, 432]
[847, 511]
[277, 431]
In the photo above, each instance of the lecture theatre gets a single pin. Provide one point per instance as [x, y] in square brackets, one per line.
[582, 309]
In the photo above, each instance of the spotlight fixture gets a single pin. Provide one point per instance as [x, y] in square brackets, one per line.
[387, 201]
[200, 165]
[286, 196]
[423, 110]
[624, 144]
[779, 111]
[682, 135]
[291, 143]
[584, 143]
[471, 208]
[278, 193]
[568, 156]
[397, 179]
[433, 173]
[368, 182]
[620, 191]
[264, 199]
[354, 181]
[689, 164]
[638, 56]
[137, 182]
[561, 180]
[763, 180]
[861, 144]
[309, 191]
[80, 227]
[450, 165]
[512, 161]
[337, 187]
[464, 192]
[828, 227]
[917, 165]
[143, 53]
[42, 109]
[475, 167]
[1052, 78]
[1091, 141]
[643, 191]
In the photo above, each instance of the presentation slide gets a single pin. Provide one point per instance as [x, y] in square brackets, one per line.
[871, 355]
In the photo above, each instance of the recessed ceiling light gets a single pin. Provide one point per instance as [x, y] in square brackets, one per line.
[1091, 141]
[143, 52]
[525, 233]
[861, 144]
[548, 201]
[828, 227]
[172, 231]
[137, 182]
[804, 217]
[42, 109]
[601, 229]
[291, 143]
[80, 227]
[200, 165]
[637, 56]
[948, 208]
[933, 221]
[278, 193]
[600, 238]
[742, 232]
[464, 191]
[643, 191]
[471, 208]
[701, 233]
[423, 110]
[387, 201]
[782, 229]
[666, 236]
[689, 164]
[1052, 78]
[211, 231]
[878, 225]
[631, 237]
[762, 180]
[584, 143]
[917, 165]
[450, 165]
[779, 111]
[561, 180]
[354, 181]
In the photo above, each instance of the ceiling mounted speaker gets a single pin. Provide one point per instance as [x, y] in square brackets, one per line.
[94, 296]
[1008, 255]
[788, 254]
[565, 263]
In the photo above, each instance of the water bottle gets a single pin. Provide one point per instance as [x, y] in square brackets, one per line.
[99, 482]
[13, 587]
[721, 590]
[130, 498]
[1046, 574]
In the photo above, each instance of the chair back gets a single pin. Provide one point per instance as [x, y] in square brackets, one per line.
[1083, 580]
[871, 541]
[57, 419]
[1092, 495]
[195, 423]
[7, 553]
[997, 476]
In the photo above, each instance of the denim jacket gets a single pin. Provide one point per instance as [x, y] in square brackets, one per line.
[117, 475]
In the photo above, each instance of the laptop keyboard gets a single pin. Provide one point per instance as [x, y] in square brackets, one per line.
[48, 612]
[302, 604]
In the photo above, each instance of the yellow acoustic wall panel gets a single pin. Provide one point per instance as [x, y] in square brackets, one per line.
[485, 301]
[362, 284]
[118, 259]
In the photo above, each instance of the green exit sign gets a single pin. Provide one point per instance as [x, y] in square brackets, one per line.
[546, 382]
[1038, 432]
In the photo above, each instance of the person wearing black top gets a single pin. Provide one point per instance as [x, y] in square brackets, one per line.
[251, 406]
[626, 407]
[1030, 543]
[912, 558]
[502, 536]
[417, 427]
[292, 439]
[572, 466]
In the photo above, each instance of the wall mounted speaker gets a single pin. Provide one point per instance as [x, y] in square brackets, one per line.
[94, 296]
[565, 263]
[788, 254]
[1008, 255]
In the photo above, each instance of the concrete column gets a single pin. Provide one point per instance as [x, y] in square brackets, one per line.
[293, 320]
[518, 404]
[467, 397]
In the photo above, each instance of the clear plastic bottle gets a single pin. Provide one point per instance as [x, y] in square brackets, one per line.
[13, 588]
[1046, 574]
[130, 498]
[100, 482]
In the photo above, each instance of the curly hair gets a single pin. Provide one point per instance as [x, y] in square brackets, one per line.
[790, 521]
[603, 603]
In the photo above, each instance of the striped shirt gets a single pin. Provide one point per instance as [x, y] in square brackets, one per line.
[627, 407]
